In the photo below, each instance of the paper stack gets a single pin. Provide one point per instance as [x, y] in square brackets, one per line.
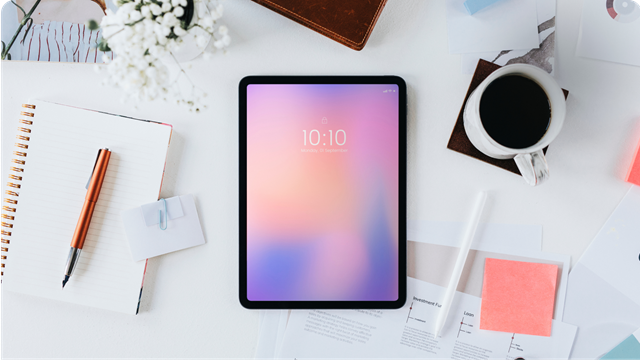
[506, 32]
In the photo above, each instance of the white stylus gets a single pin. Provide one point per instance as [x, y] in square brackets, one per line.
[469, 234]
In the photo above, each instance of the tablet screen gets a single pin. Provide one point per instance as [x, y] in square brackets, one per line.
[322, 192]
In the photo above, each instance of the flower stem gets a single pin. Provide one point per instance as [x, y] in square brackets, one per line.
[22, 24]
[181, 70]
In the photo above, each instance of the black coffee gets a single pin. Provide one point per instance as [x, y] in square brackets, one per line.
[515, 111]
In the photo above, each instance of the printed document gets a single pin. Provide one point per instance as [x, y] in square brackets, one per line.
[408, 332]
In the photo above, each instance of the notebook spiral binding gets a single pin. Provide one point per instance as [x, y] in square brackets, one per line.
[15, 177]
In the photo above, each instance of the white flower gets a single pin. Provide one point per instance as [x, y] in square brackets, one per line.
[146, 12]
[201, 8]
[178, 11]
[142, 65]
[179, 31]
[206, 21]
[126, 9]
[219, 44]
[128, 32]
[172, 46]
[139, 27]
[136, 39]
[170, 20]
[138, 48]
[157, 28]
[202, 41]
[135, 16]
[155, 9]
[148, 26]
[215, 15]
[156, 51]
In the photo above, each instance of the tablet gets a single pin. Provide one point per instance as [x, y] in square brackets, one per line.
[322, 192]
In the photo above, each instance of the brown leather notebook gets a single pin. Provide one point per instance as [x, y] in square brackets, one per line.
[348, 22]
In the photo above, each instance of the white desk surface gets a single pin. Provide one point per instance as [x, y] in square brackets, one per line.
[189, 305]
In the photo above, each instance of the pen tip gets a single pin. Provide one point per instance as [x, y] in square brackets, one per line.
[64, 282]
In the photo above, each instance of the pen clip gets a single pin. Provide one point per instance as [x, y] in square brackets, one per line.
[94, 168]
[165, 216]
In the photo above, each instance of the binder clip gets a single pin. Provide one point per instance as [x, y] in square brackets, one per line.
[164, 202]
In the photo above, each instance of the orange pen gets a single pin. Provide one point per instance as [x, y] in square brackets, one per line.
[93, 191]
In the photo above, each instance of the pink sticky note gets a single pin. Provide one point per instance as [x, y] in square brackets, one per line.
[634, 171]
[518, 297]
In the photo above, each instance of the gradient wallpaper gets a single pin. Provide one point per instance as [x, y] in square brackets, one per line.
[322, 217]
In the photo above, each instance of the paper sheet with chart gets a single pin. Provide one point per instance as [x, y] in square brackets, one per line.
[610, 31]
[443, 236]
[432, 254]
[408, 332]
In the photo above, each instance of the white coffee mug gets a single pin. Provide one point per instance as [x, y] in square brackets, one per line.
[530, 161]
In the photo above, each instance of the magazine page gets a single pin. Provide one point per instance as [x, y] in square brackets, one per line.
[56, 31]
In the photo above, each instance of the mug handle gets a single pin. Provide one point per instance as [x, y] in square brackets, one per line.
[533, 167]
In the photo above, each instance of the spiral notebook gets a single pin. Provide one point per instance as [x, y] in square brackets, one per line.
[54, 154]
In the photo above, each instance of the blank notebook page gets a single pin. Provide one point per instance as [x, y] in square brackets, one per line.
[64, 142]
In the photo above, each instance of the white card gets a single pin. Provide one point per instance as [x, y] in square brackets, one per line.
[610, 31]
[507, 24]
[147, 239]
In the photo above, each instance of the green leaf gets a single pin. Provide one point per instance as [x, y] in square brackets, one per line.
[19, 7]
[3, 47]
[103, 46]
[8, 56]
[93, 25]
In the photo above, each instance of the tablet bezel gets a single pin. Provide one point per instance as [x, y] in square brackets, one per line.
[402, 190]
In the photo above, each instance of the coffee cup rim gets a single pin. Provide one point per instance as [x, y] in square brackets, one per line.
[554, 94]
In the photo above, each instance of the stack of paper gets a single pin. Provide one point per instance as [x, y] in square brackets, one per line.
[506, 32]
[408, 332]
[604, 290]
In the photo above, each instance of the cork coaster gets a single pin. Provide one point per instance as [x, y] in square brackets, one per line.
[460, 142]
